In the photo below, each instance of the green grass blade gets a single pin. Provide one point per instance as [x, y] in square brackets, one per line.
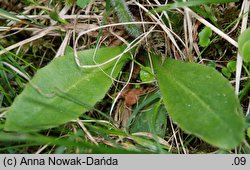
[191, 3]
[8, 15]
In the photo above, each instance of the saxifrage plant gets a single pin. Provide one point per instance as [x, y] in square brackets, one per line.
[198, 98]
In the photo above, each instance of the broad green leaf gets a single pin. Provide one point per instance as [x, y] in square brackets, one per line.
[201, 101]
[75, 90]
[204, 37]
[244, 45]
[82, 3]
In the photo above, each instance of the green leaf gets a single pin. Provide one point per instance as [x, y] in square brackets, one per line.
[246, 51]
[231, 66]
[75, 91]
[226, 72]
[143, 122]
[146, 74]
[82, 3]
[201, 102]
[204, 37]
[244, 45]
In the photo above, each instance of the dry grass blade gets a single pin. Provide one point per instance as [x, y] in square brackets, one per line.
[35, 37]
[170, 34]
[151, 136]
[64, 44]
[215, 29]
[86, 131]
